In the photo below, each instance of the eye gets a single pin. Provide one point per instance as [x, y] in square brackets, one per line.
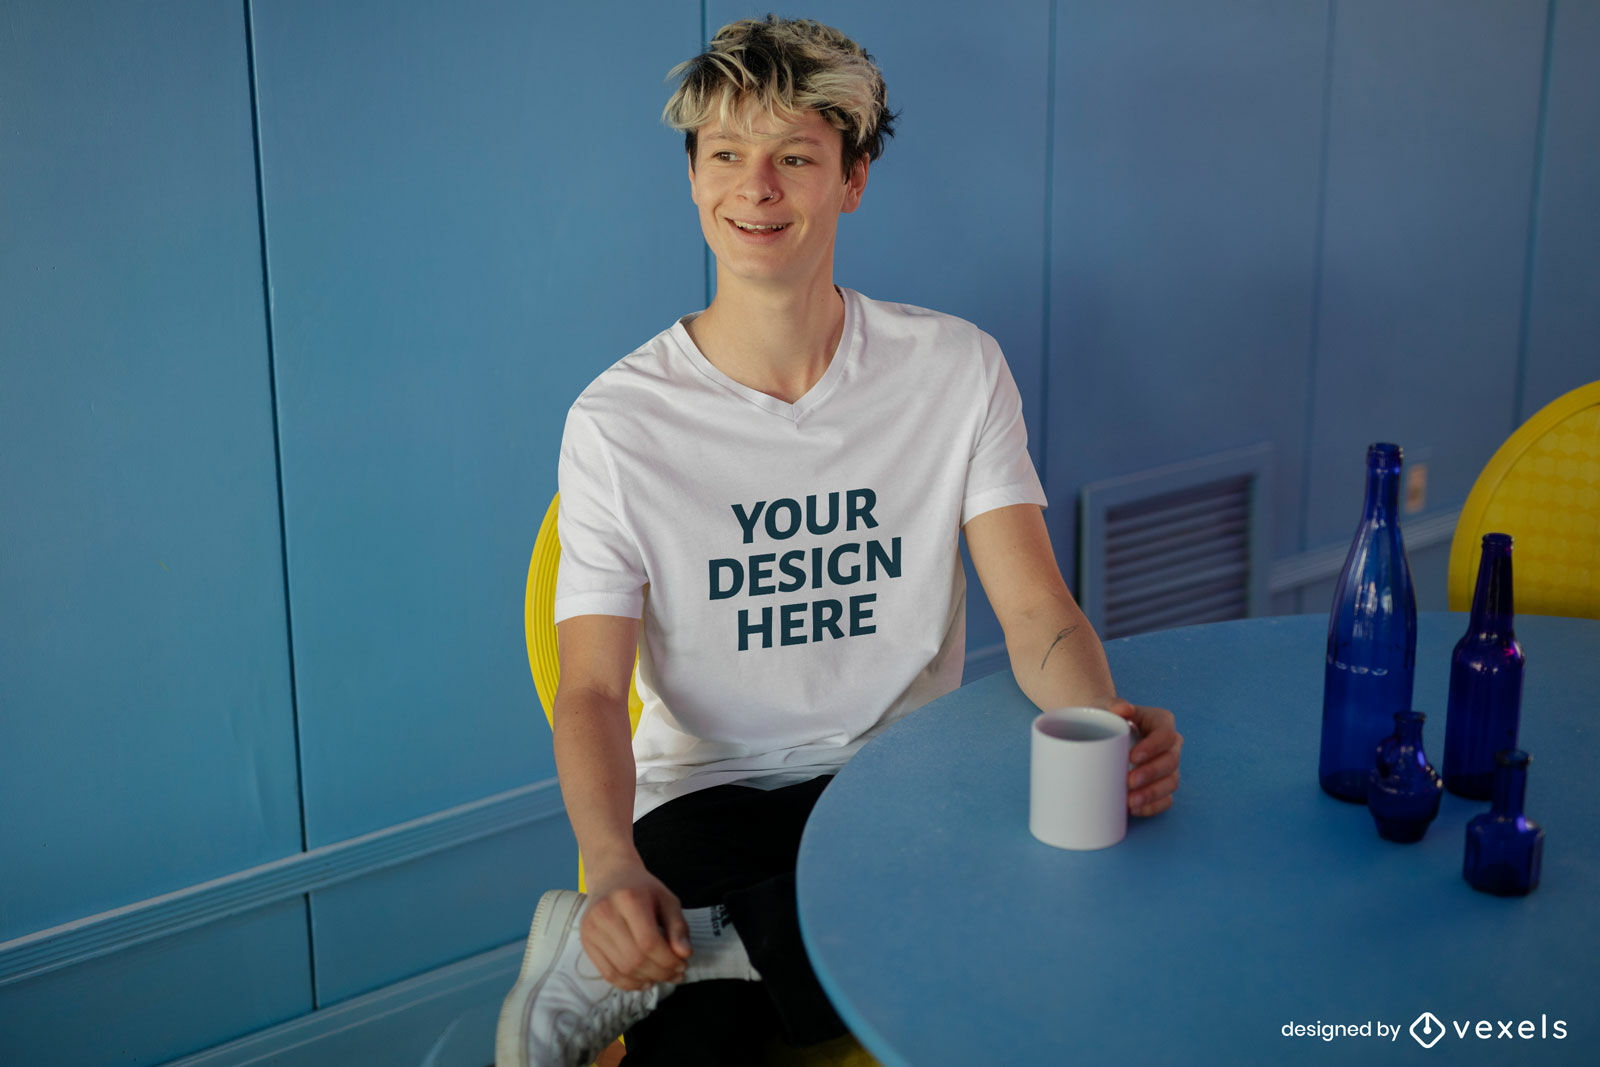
[724, 156]
[795, 161]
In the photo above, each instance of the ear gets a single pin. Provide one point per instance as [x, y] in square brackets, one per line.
[855, 185]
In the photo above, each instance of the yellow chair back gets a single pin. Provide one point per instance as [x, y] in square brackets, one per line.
[1543, 488]
[539, 617]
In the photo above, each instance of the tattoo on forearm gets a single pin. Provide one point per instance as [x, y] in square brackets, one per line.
[1068, 632]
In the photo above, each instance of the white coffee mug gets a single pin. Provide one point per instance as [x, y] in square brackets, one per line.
[1078, 788]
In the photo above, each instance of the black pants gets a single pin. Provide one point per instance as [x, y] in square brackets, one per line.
[735, 845]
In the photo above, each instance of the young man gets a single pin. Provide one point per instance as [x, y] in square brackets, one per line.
[765, 502]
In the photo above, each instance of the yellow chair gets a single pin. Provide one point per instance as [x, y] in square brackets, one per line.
[1543, 488]
[539, 629]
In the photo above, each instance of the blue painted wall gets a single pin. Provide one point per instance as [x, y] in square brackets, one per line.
[294, 295]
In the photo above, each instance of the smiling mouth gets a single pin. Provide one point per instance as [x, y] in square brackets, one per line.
[757, 227]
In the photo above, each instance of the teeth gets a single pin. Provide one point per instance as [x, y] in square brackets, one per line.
[752, 227]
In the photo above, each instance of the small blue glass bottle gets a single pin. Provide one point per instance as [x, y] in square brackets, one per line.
[1485, 679]
[1403, 790]
[1372, 637]
[1505, 847]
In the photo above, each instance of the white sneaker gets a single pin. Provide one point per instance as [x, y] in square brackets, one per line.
[561, 1013]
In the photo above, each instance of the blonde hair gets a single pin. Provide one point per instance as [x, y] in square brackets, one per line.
[784, 67]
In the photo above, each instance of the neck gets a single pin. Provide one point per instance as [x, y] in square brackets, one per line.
[776, 341]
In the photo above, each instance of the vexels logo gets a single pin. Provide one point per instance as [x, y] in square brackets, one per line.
[1427, 1029]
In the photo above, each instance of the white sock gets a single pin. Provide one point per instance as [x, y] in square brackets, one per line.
[718, 951]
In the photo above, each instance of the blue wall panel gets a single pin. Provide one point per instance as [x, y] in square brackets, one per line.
[953, 216]
[1564, 303]
[155, 1002]
[456, 248]
[1185, 168]
[146, 731]
[409, 919]
[445, 1018]
[1430, 172]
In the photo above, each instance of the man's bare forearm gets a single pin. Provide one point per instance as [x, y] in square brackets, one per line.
[1057, 658]
[594, 762]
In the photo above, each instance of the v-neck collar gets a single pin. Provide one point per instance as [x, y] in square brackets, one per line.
[843, 356]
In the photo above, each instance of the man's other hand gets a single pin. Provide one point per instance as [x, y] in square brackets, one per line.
[634, 931]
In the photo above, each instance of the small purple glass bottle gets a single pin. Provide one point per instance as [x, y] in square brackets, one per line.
[1504, 847]
[1372, 637]
[1403, 790]
[1485, 680]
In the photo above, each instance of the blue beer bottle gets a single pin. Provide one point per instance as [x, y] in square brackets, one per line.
[1485, 680]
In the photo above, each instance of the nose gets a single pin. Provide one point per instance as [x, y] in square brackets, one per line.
[760, 181]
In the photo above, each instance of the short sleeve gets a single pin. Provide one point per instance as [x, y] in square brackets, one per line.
[1000, 472]
[602, 571]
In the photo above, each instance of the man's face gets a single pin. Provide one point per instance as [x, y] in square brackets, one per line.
[770, 201]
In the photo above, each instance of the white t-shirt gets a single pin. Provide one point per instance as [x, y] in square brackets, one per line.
[801, 560]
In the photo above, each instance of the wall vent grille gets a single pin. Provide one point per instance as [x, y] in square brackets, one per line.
[1175, 546]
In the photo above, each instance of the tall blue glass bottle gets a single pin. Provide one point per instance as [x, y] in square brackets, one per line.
[1372, 637]
[1485, 680]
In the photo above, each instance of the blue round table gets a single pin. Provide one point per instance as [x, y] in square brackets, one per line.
[945, 934]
